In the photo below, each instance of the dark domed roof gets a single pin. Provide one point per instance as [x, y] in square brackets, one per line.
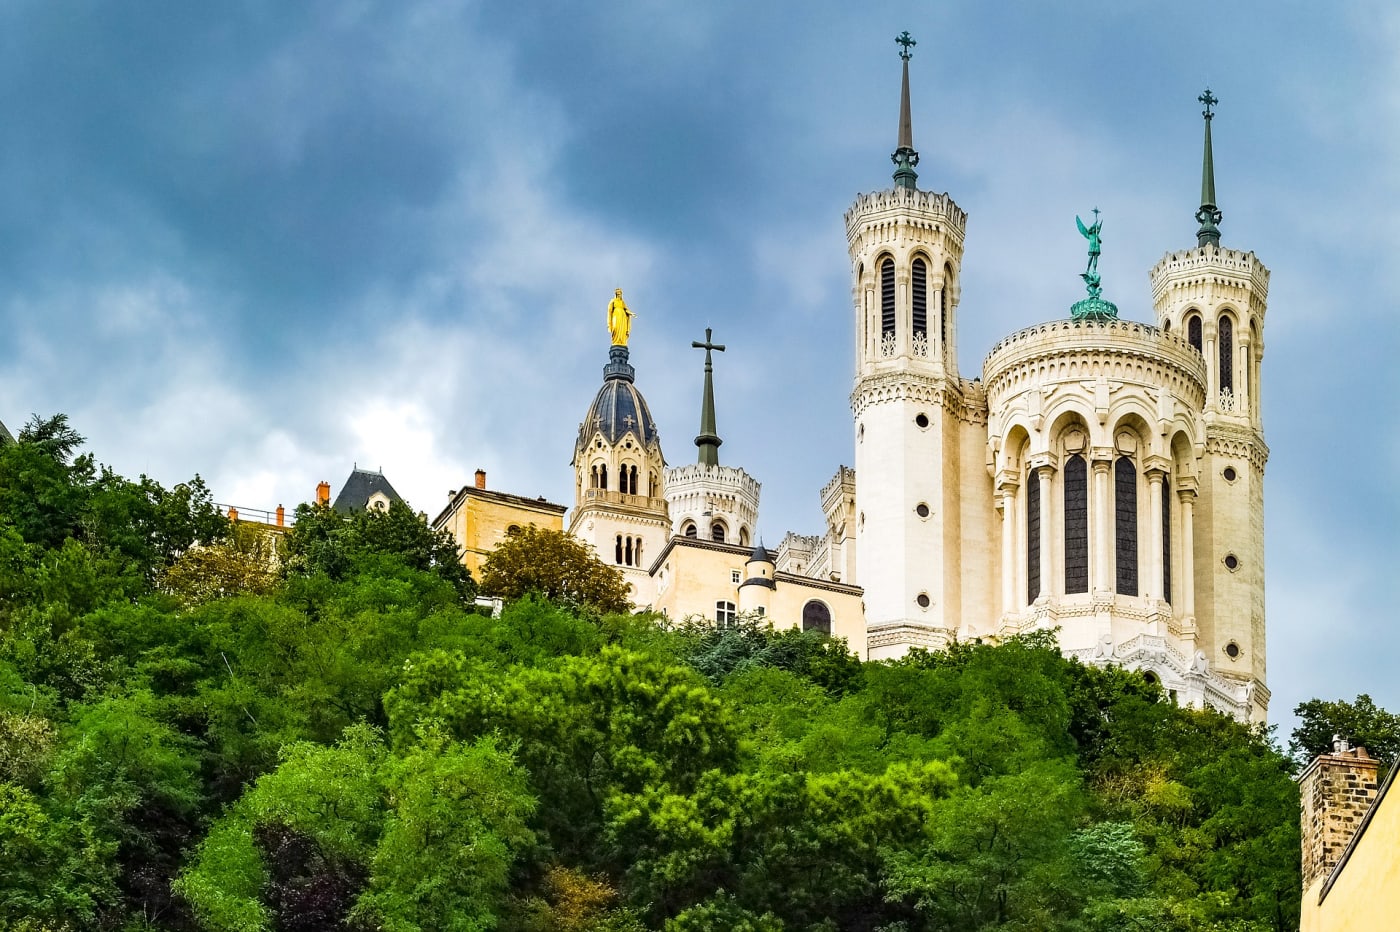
[618, 407]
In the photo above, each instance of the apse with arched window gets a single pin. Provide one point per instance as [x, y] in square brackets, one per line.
[816, 617]
[1125, 498]
[1076, 485]
[1032, 536]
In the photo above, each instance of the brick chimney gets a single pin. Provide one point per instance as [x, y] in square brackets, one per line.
[232, 513]
[323, 493]
[481, 478]
[281, 516]
[1336, 791]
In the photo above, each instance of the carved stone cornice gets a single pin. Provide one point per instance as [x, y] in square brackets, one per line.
[912, 386]
[1239, 441]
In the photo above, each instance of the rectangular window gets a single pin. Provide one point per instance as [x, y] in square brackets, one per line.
[734, 577]
[725, 615]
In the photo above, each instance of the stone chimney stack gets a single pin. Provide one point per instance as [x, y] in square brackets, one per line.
[481, 478]
[323, 493]
[1336, 789]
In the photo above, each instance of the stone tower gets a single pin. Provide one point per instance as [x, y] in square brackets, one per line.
[620, 499]
[906, 250]
[707, 500]
[1215, 297]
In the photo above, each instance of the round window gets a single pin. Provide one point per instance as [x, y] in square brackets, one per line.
[1229, 474]
[1232, 650]
[922, 599]
[921, 510]
[921, 421]
[1232, 562]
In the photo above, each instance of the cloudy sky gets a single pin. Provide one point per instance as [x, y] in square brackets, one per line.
[263, 241]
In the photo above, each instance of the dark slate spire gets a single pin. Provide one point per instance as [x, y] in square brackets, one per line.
[708, 441]
[1209, 215]
[904, 157]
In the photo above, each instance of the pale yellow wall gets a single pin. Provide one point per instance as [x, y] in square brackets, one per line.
[691, 579]
[1366, 894]
[479, 524]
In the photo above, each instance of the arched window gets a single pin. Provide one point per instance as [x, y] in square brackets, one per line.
[743, 537]
[1032, 536]
[1125, 525]
[717, 531]
[725, 615]
[603, 476]
[887, 297]
[637, 552]
[634, 480]
[1167, 539]
[920, 290]
[512, 530]
[617, 557]
[688, 529]
[1076, 478]
[1227, 354]
[1193, 332]
[816, 617]
[627, 552]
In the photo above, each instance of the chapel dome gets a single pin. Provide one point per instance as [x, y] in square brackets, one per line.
[618, 408]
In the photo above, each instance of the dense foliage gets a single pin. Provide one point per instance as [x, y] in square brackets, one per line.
[189, 739]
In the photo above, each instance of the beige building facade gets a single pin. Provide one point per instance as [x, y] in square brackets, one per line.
[480, 519]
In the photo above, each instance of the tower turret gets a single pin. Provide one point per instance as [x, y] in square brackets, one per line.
[1215, 298]
[909, 403]
[707, 500]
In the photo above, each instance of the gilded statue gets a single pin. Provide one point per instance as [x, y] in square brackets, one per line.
[619, 319]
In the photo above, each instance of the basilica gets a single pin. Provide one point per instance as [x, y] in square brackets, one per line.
[1098, 477]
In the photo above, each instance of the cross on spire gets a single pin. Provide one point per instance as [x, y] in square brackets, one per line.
[1210, 100]
[708, 441]
[907, 41]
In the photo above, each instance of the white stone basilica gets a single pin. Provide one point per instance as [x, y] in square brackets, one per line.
[1101, 477]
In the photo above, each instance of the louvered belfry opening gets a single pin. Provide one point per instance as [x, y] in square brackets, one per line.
[920, 289]
[1076, 524]
[887, 297]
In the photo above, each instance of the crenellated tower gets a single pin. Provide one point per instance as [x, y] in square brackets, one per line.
[1215, 298]
[906, 249]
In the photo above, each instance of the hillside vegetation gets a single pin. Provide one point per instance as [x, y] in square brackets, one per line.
[193, 736]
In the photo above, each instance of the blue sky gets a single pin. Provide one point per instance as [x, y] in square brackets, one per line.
[267, 241]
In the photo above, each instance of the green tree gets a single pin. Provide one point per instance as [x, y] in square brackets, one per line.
[1360, 722]
[339, 546]
[555, 565]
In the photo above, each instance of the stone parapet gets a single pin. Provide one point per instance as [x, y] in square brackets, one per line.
[1209, 266]
[898, 207]
[1086, 350]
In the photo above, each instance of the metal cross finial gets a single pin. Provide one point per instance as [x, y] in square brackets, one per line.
[908, 42]
[1210, 100]
[707, 345]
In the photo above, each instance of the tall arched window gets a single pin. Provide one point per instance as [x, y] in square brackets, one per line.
[920, 292]
[603, 476]
[1167, 539]
[816, 617]
[1227, 354]
[1193, 332]
[1125, 525]
[627, 552]
[1076, 524]
[595, 477]
[637, 552]
[618, 555]
[1032, 536]
[887, 297]
[717, 531]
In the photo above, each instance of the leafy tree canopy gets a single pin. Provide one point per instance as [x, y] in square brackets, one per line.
[555, 565]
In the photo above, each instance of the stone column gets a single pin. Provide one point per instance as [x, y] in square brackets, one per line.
[935, 323]
[1243, 400]
[1008, 548]
[1101, 544]
[903, 311]
[1187, 497]
[1048, 563]
[1153, 589]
